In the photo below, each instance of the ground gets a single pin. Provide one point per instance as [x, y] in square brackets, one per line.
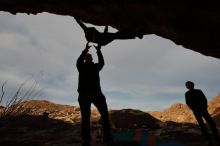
[30, 130]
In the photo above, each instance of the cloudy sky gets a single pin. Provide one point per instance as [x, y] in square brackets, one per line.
[147, 74]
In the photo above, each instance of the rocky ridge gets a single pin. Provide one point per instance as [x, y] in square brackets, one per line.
[178, 113]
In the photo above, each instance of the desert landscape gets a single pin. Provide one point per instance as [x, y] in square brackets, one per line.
[43, 123]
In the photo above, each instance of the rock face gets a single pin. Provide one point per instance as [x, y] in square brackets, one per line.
[192, 24]
[70, 114]
[214, 105]
[128, 118]
[125, 118]
[179, 113]
[214, 109]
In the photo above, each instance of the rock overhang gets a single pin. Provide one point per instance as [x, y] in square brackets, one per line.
[193, 24]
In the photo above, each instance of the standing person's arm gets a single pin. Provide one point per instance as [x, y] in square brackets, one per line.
[204, 101]
[100, 57]
[188, 101]
[82, 56]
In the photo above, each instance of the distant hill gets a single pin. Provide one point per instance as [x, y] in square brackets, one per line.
[214, 105]
[125, 118]
[66, 113]
[178, 113]
[214, 108]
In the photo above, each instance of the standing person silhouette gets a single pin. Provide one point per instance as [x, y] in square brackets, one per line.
[197, 102]
[90, 92]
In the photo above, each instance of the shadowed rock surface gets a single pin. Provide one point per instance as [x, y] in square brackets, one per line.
[130, 118]
[192, 24]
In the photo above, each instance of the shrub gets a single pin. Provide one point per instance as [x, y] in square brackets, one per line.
[15, 104]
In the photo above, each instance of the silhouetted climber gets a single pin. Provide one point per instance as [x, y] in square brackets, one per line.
[93, 35]
[90, 92]
[197, 102]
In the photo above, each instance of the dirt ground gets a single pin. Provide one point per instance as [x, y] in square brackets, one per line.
[36, 131]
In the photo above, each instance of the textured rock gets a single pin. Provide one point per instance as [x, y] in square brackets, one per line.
[193, 24]
[214, 109]
[214, 105]
[128, 118]
[179, 113]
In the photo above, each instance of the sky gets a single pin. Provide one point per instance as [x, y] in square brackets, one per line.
[147, 74]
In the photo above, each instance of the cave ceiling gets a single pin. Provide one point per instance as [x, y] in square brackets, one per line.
[194, 24]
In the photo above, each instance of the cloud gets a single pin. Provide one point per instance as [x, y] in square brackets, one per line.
[146, 73]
